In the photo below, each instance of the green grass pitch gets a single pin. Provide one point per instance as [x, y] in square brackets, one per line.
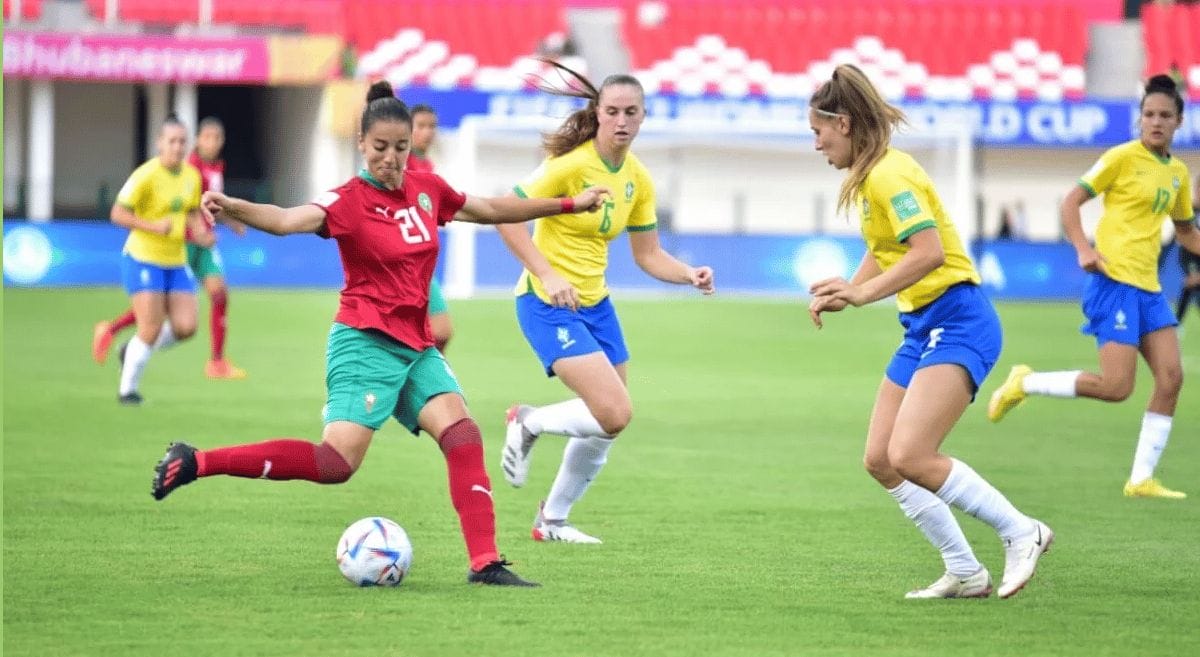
[736, 515]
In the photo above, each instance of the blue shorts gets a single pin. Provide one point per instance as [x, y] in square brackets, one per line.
[1119, 312]
[144, 277]
[560, 333]
[959, 327]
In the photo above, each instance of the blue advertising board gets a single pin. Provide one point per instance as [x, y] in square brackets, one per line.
[60, 254]
[1083, 123]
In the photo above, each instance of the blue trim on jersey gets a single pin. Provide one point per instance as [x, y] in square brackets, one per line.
[1119, 312]
[139, 276]
[556, 333]
[960, 327]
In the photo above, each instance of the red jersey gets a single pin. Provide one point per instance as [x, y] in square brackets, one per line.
[388, 241]
[212, 174]
[418, 163]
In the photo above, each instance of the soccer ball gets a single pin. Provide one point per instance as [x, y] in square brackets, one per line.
[374, 552]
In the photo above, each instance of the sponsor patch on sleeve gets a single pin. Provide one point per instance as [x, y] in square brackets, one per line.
[906, 206]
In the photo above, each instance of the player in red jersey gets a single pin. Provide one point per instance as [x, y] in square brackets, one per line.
[381, 359]
[205, 262]
[425, 125]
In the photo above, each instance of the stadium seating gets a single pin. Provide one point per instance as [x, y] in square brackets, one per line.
[939, 48]
[1172, 36]
[31, 10]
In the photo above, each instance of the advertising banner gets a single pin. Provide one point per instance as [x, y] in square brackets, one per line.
[1079, 124]
[62, 254]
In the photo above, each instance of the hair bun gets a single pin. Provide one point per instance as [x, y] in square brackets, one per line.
[380, 89]
[1161, 82]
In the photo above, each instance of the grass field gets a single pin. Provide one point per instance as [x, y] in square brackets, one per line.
[736, 516]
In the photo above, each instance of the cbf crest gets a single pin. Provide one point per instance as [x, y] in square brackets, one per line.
[629, 191]
[866, 209]
[425, 203]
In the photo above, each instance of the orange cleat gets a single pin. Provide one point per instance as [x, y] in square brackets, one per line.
[223, 369]
[102, 338]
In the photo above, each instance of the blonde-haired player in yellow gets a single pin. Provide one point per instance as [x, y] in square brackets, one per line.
[952, 338]
[562, 298]
[1125, 309]
[160, 205]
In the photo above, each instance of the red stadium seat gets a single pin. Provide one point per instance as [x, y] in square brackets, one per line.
[31, 10]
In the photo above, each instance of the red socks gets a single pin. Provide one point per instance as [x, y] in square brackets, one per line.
[470, 490]
[276, 459]
[121, 323]
[220, 301]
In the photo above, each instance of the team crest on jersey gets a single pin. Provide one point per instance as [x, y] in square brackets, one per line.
[1175, 182]
[629, 191]
[425, 203]
[866, 209]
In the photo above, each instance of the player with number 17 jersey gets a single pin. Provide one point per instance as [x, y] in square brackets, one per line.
[399, 229]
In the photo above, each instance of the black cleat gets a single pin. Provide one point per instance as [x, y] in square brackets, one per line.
[495, 574]
[177, 467]
[131, 399]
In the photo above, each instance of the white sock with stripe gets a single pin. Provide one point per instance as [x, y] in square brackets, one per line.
[582, 460]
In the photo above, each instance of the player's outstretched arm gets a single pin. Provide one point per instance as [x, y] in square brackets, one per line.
[268, 218]
[654, 260]
[513, 210]
[925, 254]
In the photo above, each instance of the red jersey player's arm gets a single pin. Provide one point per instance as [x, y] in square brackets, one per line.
[272, 219]
[514, 210]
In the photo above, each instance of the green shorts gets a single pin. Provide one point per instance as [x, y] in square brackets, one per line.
[369, 376]
[204, 262]
[437, 300]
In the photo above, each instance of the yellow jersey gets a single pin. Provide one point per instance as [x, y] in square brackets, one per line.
[576, 245]
[898, 199]
[154, 192]
[1140, 191]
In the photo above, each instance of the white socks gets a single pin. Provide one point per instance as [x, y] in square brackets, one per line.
[965, 489]
[582, 460]
[935, 520]
[166, 337]
[1051, 384]
[136, 355]
[569, 418]
[1156, 429]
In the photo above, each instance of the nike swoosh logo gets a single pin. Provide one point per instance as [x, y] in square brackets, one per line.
[266, 469]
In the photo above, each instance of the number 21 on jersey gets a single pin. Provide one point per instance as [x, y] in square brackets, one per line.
[412, 229]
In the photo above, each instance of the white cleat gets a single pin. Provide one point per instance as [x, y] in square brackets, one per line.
[559, 530]
[518, 443]
[1021, 557]
[978, 585]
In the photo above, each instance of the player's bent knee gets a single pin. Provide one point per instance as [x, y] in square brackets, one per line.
[879, 467]
[332, 468]
[1116, 391]
[613, 418]
[1170, 379]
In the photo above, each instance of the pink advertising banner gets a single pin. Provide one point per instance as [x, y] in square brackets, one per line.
[46, 55]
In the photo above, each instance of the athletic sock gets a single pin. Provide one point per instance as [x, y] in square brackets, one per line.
[937, 522]
[582, 460]
[965, 489]
[470, 490]
[281, 459]
[1156, 430]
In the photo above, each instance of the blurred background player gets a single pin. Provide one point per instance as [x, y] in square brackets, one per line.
[1190, 262]
[425, 125]
[205, 262]
[159, 204]
[1124, 307]
[380, 358]
[952, 339]
[562, 298]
